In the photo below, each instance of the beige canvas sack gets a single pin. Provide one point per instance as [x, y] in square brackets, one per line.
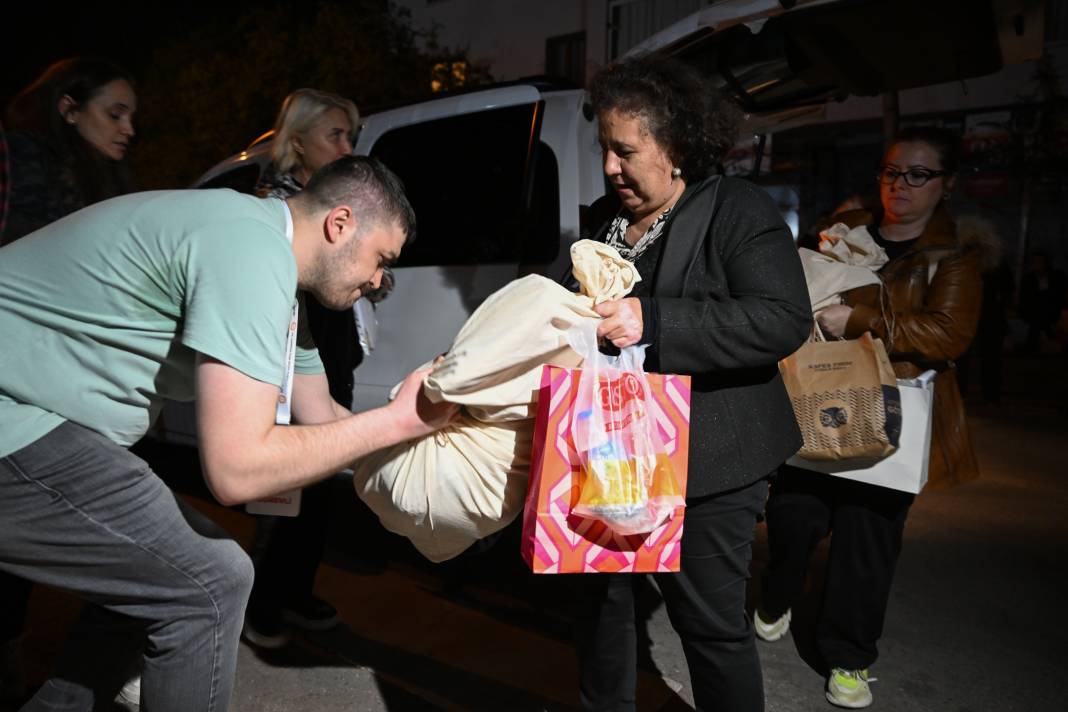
[449, 489]
[847, 259]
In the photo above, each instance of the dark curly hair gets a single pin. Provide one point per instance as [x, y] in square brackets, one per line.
[684, 113]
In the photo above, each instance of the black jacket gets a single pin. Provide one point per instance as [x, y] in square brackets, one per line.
[731, 302]
[43, 188]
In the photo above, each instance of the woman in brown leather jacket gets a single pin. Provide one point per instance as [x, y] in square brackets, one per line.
[926, 315]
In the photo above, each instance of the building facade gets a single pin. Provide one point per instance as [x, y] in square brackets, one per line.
[567, 39]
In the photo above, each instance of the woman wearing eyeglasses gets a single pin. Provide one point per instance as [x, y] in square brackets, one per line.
[931, 294]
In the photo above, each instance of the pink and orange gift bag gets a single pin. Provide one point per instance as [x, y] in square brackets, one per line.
[608, 472]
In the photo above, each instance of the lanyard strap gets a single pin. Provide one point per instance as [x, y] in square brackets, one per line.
[282, 414]
[281, 411]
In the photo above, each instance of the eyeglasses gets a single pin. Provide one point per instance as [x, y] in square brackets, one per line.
[914, 177]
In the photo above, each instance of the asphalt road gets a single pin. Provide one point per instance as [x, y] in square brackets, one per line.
[972, 626]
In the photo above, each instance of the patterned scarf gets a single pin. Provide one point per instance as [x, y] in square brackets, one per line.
[617, 235]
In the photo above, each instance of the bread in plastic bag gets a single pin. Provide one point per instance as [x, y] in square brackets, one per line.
[627, 479]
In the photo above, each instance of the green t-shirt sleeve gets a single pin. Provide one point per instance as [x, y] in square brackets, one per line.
[307, 360]
[239, 284]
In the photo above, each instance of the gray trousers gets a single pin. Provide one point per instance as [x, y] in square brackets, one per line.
[165, 588]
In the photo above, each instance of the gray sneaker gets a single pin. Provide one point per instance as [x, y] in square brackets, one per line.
[129, 697]
[849, 688]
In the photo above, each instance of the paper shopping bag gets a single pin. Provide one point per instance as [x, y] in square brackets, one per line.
[555, 540]
[906, 468]
[845, 398]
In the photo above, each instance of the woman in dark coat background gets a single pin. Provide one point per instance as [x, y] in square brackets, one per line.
[722, 299]
[69, 134]
[68, 137]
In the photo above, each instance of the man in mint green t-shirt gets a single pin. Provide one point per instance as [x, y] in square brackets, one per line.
[113, 309]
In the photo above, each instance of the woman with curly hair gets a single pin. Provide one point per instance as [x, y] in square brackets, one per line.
[722, 299]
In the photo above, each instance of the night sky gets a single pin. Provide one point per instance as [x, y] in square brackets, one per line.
[181, 128]
[35, 34]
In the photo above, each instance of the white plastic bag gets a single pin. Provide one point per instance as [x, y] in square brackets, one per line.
[627, 480]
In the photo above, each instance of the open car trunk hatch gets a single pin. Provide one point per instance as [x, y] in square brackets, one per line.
[775, 58]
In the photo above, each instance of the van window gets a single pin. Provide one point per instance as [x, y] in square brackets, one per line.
[541, 238]
[469, 180]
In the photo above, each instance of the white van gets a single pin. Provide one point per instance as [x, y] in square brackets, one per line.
[496, 177]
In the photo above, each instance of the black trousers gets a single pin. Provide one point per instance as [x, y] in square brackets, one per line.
[866, 524]
[286, 552]
[705, 601]
[14, 600]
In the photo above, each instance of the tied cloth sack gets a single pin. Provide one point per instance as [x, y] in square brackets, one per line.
[845, 398]
[846, 259]
[449, 489]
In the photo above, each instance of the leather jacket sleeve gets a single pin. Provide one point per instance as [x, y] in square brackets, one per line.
[941, 328]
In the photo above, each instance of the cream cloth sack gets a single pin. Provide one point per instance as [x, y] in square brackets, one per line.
[847, 259]
[449, 489]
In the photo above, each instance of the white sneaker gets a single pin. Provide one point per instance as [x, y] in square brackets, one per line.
[129, 696]
[849, 688]
[772, 631]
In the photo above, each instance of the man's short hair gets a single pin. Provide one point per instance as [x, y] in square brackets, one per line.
[374, 192]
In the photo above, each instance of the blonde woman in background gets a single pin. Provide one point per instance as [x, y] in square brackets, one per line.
[313, 129]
